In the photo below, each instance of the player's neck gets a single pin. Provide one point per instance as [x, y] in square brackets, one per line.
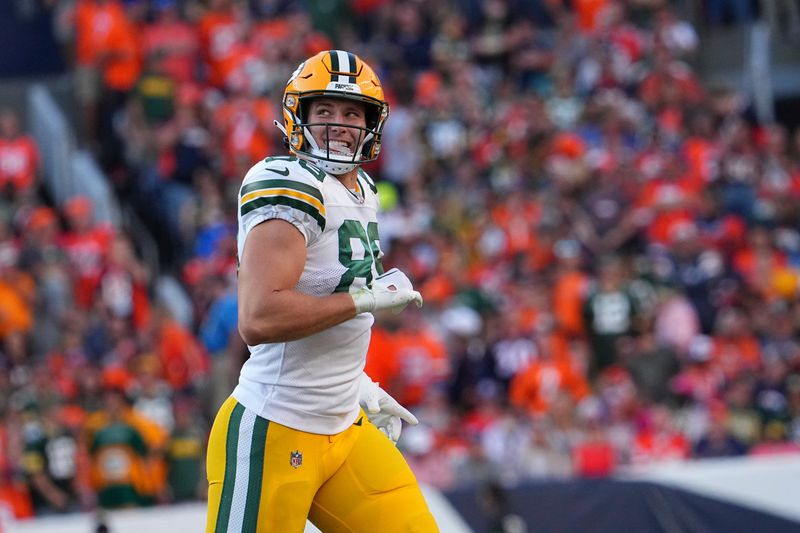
[349, 179]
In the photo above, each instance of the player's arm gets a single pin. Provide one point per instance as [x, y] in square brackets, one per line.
[270, 309]
[56, 498]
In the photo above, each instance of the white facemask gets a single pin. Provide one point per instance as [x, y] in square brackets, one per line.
[334, 162]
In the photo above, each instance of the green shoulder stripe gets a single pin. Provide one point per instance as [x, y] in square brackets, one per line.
[280, 183]
[280, 158]
[371, 184]
[261, 201]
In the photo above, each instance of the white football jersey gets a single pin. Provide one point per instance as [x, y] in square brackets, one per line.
[311, 384]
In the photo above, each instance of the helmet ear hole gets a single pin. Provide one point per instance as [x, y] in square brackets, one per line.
[296, 141]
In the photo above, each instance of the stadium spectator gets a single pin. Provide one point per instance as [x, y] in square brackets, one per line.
[108, 60]
[122, 290]
[175, 39]
[51, 463]
[118, 452]
[718, 440]
[17, 295]
[185, 453]
[19, 158]
[183, 359]
[220, 336]
[657, 440]
[552, 374]
[594, 456]
[422, 360]
[15, 497]
[222, 31]
[87, 245]
[151, 394]
[610, 313]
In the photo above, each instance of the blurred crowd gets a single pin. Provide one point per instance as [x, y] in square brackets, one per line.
[609, 249]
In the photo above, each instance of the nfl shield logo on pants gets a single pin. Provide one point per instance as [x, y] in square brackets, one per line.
[295, 458]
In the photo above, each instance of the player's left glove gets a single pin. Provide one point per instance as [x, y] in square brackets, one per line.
[383, 410]
[391, 290]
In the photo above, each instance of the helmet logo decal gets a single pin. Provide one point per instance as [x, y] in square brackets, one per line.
[347, 87]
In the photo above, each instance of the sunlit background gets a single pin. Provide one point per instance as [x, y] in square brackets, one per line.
[598, 200]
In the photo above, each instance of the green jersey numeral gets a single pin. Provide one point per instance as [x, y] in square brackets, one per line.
[318, 173]
[361, 267]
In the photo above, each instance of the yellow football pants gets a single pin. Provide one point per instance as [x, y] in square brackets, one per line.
[264, 477]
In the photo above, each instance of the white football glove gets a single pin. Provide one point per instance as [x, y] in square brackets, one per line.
[391, 290]
[383, 410]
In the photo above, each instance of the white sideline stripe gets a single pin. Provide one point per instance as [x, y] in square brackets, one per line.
[242, 471]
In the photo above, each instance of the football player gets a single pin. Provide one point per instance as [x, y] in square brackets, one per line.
[306, 434]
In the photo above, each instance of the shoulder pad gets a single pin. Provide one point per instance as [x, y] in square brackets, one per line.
[286, 164]
[285, 184]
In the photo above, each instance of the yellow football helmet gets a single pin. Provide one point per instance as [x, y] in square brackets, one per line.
[337, 74]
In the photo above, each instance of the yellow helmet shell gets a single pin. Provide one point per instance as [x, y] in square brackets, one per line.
[337, 74]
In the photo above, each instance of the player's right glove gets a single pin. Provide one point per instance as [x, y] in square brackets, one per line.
[391, 290]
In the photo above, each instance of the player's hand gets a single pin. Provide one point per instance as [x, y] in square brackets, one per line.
[391, 290]
[383, 410]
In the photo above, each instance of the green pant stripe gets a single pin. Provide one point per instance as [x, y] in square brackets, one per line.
[231, 448]
[257, 447]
